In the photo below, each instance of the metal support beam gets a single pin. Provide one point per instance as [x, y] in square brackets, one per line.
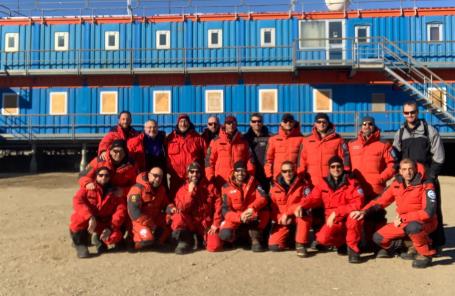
[33, 161]
[83, 163]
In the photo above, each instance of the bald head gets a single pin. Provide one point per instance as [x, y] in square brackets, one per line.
[151, 128]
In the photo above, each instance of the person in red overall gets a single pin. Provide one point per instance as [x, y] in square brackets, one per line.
[147, 202]
[98, 212]
[123, 169]
[244, 205]
[122, 131]
[416, 218]
[226, 149]
[286, 192]
[196, 211]
[339, 195]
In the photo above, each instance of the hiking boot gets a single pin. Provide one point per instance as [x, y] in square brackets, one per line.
[255, 236]
[421, 261]
[410, 254]
[318, 247]
[384, 253]
[353, 256]
[301, 250]
[342, 250]
[82, 251]
[183, 247]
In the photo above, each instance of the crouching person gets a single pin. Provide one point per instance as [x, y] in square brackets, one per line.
[98, 212]
[339, 195]
[416, 208]
[147, 202]
[286, 193]
[244, 205]
[196, 211]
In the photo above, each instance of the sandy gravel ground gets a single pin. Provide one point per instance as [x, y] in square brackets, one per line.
[36, 258]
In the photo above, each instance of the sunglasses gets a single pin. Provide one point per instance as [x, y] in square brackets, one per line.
[157, 175]
[321, 121]
[410, 112]
[193, 171]
[367, 124]
[212, 123]
[288, 121]
[103, 175]
[230, 122]
[256, 121]
[335, 166]
[286, 171]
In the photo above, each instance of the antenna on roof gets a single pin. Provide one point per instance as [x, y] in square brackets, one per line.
[129, 9]
[292, 5]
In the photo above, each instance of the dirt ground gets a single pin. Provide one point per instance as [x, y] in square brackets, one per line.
[36, 258]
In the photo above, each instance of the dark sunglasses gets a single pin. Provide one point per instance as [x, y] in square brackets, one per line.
[367, 124]
[410, 112]
[230, 122]
[286, 171]
[212, 123]
[288, 120]
[335, 166]
[321, 121]
[193, 171]
[256, 121]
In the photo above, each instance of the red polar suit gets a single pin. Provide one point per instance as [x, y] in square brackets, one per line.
[223, 153]
[117, 133]
[196, 212]
[342, 199]
[282, 147]
[415, 205]
[108, 209]
[236, 199]
[285, 202]
[317, 151]
[146, 209]
[372, 163]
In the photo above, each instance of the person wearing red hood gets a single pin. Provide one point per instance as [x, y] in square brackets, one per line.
[184, 146]
[416, 206]
[98, 212]
[196, 211]
[229, 147]
[123, 169]
[147, 202]
[122, 131]
[244, 205]
[373, 163]
[284, 146]
[339, 195]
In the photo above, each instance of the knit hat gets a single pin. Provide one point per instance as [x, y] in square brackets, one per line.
[368, 119]
[287, 117]
[230, 119]
[193, 166]
[239, 165]
[119, 143]
[322, 116]
[335, 159]
[183, 116]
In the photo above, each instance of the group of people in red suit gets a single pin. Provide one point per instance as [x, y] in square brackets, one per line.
[275, 192]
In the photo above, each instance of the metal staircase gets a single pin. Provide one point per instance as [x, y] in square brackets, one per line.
[430, 90]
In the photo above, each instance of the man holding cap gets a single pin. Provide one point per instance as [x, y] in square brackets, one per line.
[229, 147]
[284, 146]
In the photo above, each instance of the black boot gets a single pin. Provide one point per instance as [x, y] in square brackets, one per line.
[255, 236]
[184, 241]
[301, 250]
[353, 256]
[421, 261]
[80, 243]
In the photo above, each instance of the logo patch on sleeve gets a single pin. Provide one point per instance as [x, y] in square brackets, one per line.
[360, 191]
[307, 191]
[431, 195]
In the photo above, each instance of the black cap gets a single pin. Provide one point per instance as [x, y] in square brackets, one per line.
[194, 166]
[368, 119]
[287, 117]
[239, 165]
[335, 159]
[321, 116]
[118, 143]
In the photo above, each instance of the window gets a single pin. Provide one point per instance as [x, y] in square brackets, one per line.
[312, 34]
[322, 100]
[215, 38]
[434, 32]
[378, 102]
[268, 100]
[109, 103]
[111, 40]
[362, 34]
[163, 39]
[10, 104]
[11, 42]
[438, 98]
[214, 101]
[58, 103]
[61, 41]
[267, 37]
[162, 102]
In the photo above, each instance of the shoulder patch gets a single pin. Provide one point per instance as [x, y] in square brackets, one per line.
[307, 191]
[360, 191]
[431, 195]
[261, 190]
[135, 198]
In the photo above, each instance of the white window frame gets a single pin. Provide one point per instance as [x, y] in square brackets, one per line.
[155, 93]
[116, 102]
[15, 48]
[207, 92]
[441, 31]
[65, 94]
[368, 35]
[314, 100]
[65, 36]
[168, 39]
[107, 34]
[324, 37]
[274, 90]
[272, 37]
[444, 98]
[220, 38]
[17, 104]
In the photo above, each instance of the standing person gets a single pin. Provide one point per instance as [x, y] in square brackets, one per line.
[184, 146]
[149, 147]
[373, 165]
[286, 192]
[147, 202]
[97, 212]
[258, 136]
[284, 146]
[419, 141]
[225, 150]
[211, 131]
[339, 195]
[196, 210]
[122, 131]
[416, 213]
[244, 205]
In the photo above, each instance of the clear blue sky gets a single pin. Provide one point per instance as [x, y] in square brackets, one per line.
[151, 7]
